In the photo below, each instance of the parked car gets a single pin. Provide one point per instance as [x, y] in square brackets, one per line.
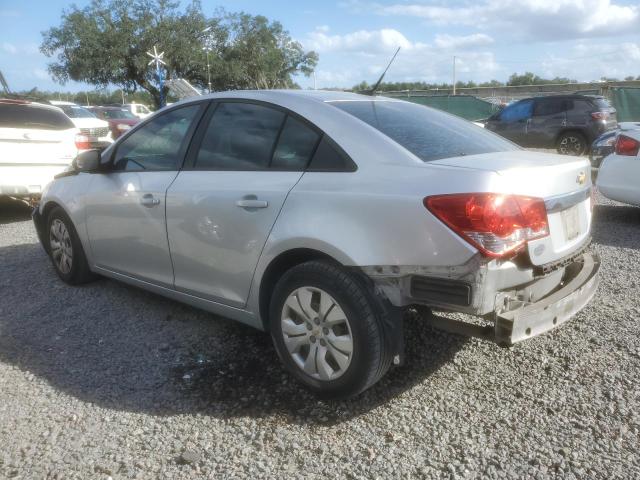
[568, 123]
[321, 216]
[96, 132]
[619, 175]
[119, 119]
[605, 144]
[36, 142]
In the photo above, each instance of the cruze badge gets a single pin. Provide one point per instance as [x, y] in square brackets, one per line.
[581, 178]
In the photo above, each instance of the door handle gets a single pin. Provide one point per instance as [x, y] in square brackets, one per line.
[148, 200]
[252, 203]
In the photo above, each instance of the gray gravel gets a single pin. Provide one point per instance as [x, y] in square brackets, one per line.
[109, 381]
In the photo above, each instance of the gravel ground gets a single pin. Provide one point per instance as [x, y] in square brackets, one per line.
[109, 381]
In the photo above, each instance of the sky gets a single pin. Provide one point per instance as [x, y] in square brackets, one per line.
[491, 39]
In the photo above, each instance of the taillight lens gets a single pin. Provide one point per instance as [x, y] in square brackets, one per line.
[498, 225]
[627, 146]
[82, 142]
[600, 115]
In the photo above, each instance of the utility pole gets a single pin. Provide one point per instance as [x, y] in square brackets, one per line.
[454, 74]
[315, 87]
[207, 49]
[87, 97]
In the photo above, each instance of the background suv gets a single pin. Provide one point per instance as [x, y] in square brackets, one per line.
[95, 133]
[569, 123]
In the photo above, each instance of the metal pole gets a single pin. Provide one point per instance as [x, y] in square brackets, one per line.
[315, 87]
[454, 75]
[208, 71]
[87, 96]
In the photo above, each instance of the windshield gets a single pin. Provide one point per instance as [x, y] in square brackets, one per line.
[118, 114]
[74, 111]
[427, 133]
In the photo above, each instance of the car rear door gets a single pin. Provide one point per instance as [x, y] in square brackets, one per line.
[547, 121]
[125, 206]
[244, 161]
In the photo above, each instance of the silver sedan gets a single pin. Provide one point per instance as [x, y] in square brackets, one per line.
[321, 216]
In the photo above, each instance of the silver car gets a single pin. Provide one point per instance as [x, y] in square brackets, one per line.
[321, 216]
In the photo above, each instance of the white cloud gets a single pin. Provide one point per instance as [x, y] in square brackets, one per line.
[363, 55]
[40, 74]
[588, 62]
[362, 41]
[9, 48]
[536, 19]
[464, 41]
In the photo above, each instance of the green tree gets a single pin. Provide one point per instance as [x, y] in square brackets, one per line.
[106, 42]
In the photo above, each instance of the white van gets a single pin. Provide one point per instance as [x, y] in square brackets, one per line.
[36, 143]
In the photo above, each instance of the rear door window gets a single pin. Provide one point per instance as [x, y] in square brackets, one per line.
[295, 146]
[241, 136]
[35, 117]
[545, 107]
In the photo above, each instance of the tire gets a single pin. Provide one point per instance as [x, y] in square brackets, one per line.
[308, 303]
[572, 143]
[65, 249]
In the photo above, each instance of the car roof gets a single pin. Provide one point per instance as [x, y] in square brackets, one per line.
[565, 96]
[301, 95]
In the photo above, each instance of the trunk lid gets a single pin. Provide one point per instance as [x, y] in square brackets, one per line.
[37, 147]
[563, 182]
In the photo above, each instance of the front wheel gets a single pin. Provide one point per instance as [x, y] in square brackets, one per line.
[572, 143]
[326, 326]
[66, 250]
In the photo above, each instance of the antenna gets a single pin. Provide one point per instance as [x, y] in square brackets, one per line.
[375, 87]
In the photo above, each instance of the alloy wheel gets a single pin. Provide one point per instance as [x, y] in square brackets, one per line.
[571, 145]
[61, 248]
[317, 333]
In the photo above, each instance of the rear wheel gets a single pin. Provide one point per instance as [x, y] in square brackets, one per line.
[572, 143]
[66, 250]
[327, 330]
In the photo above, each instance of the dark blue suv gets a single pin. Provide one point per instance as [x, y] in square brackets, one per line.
[568, 123]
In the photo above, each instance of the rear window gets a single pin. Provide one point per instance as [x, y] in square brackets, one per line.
[602, 103]
[34, 117]
[73, 111]
[427, 133]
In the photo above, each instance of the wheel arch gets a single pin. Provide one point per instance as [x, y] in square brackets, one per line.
[277, 267]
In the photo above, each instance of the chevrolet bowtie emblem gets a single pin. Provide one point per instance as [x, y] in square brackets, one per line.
[581, 178]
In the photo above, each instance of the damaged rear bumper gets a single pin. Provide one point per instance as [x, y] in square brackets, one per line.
[515, 303]
[528, 320]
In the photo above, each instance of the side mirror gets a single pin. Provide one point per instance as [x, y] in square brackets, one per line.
[88, 161]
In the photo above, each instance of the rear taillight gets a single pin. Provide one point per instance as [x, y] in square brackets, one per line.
[627, 146]
[600, 115]
[82, 142]
[496, 224]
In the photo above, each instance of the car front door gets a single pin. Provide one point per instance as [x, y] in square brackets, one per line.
[548, 120]
[513, 121]
[125, 206]
[244, 161]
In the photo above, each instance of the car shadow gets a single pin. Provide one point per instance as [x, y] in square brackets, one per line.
[126, 349]
[616, 225]
[13, 211]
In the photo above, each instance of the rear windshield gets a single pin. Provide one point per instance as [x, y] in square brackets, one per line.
[74, 111]
[427, 133]
[31, 116]
[602, 103]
